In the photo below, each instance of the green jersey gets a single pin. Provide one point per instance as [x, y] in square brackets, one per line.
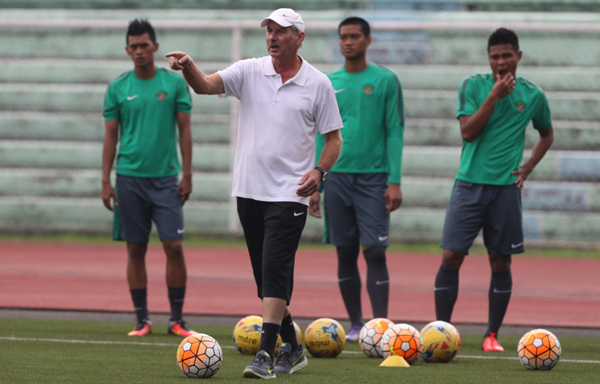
[147, 110]
[372, 109]
[498, 150]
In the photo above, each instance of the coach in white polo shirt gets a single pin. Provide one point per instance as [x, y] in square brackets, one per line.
[284, 102]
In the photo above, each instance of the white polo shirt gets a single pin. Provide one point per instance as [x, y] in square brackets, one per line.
[278, 124]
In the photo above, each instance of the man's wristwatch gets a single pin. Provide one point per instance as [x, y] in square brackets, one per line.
[323, 172]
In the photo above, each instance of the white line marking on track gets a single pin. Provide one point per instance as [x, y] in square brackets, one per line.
[96, 342]
[10, 338]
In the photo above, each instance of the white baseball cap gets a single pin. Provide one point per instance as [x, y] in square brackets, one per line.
[286, 17]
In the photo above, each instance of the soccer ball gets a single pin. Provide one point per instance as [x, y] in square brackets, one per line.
[441, 342]
[246, 334]
[370, 335]
[402, 340]
[539, 350]
[199, 356]
[298, 336]
[325, 338]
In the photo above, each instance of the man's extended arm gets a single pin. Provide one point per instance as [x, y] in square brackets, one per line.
[193, 75]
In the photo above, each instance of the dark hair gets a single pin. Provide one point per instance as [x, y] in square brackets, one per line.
[504, 36]
[138, 27]
[364, 25]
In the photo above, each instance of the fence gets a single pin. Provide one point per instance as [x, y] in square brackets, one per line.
[57, 67]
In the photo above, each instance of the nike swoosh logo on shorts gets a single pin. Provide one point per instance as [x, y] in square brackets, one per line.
[298, 213]
[129, 98]
[383, 238]
[344, 279]
[441, 288]
[513, 246]
[497, 291]
[382, 282]
[180, 231]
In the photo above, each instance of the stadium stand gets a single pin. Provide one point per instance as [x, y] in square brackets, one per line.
[54, 79]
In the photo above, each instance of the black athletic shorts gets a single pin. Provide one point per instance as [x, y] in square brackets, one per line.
[494, 209]
[142, 200]
[355, 209]
[272, 231]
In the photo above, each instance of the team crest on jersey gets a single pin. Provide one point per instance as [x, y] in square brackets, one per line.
[161, 96]
[368, 89]
[520, 106]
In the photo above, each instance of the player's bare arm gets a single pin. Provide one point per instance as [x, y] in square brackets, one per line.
[109, 150]
[472, 126]
[537, 153]
[393, 197]
[309, 183]
[185, 145]
[193, 75]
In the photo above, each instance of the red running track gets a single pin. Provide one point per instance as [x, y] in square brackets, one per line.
[546, 292]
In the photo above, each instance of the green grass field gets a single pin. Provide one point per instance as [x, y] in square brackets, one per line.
[66, 351]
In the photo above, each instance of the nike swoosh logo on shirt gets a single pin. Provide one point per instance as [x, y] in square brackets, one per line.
[129, 98]
[339, 90]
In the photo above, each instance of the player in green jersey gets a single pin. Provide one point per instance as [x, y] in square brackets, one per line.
[143, 107]
[494, 110]
[364, 186]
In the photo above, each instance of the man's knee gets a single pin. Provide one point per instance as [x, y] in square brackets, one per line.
[453, 259]
[173, 249]
[500, 263]
[374, 255]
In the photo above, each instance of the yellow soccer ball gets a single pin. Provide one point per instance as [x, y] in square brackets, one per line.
[325, 338]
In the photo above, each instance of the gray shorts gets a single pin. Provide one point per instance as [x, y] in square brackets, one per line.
[495, 209]
[355, 209]
[143, 200]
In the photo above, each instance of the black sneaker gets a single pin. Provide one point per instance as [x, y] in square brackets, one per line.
[288, 361]
[261, 367]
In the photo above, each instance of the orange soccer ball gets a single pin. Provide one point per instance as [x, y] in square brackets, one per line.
[199, 356]
[539, 350]
[402, 340]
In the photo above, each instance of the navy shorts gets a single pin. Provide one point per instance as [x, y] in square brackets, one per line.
[495, 209]
[355, 209]
[272, 231]
[142, 200]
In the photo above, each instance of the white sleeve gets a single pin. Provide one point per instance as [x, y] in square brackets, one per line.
[233, 79]
[327, 113]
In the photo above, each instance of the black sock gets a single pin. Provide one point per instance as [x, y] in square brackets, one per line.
[140, 303]
[176, 298]
[288, 332]
[499, 296]
[349, 282]
[378, 281]
[268, 339]
[446, 292]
